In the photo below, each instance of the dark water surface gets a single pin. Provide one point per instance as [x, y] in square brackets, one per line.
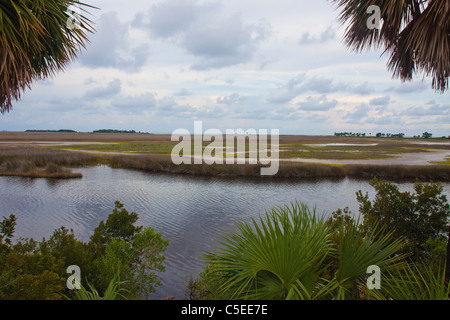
[192, 212]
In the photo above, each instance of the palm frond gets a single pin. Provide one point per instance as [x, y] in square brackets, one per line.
[36, 42]
[263, 260]
[413, 282]
[415, 33]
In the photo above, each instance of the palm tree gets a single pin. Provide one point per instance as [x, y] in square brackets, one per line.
[37, 39]
[294, 254]
[416, 33]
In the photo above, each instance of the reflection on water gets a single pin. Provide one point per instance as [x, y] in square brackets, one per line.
[192, 212]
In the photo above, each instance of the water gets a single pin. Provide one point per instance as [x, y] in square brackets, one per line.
[192, 212]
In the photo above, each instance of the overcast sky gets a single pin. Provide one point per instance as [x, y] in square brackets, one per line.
[156, 66]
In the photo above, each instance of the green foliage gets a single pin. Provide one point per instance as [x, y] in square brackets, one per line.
[36, 41]
[291, 253]
[413, 282]
[117, 250]
[416, 217]
[7, 227]
[112, 292]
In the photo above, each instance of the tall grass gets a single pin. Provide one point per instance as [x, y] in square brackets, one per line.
[20, 158]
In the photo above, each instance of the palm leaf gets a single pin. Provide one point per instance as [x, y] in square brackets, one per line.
[264, 260]
[414, 32]
[36, 42]
[413, 282]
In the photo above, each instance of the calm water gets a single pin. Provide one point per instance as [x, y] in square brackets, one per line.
[192, 212]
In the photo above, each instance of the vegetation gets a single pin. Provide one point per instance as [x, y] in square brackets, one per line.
[113, 131]
[415, 33]
[36, 41]
[291, 253]
[149, 153]
[119, 261]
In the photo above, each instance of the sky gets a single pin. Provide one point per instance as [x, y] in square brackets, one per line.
[158, 66]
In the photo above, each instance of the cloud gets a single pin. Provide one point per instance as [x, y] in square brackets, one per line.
[183, 92]
[113, 88]
[328, 34]
[214, 39]
[110, 47]
[381, 101]
[172, 17]
[223, 42]
[360, 112]
[140, 104]
[317, 104]
[409, 87]
[299, 85]
[434, 109]
[233, 98]
[363, 89]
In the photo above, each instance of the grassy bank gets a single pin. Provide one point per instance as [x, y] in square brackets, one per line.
[151, 153]
[294, 171]
[34, 162]
[26, 168]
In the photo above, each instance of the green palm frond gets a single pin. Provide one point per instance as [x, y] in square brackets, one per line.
[413, 282]
[36, 41]
[263, 260]
[112, 292]
[291, 253]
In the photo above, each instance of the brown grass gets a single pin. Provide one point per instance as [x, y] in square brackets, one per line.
[40, 158]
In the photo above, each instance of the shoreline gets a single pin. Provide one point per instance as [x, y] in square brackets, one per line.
[336, 157]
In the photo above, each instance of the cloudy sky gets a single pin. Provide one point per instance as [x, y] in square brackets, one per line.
[156, 66]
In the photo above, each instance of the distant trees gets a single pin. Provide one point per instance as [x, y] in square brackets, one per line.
[349, 134]
[60, 130]
[390, 135]
[427, 135]
[113, 131]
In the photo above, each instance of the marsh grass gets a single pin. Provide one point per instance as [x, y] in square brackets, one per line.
[35, 162]
[151, 153]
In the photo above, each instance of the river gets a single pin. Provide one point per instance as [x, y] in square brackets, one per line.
[191, 211]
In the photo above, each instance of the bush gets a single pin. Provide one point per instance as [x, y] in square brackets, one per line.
[117, 249]
[419, 218]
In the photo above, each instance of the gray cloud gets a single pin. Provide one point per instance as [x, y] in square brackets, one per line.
[434, 109]
[381, 101]
[328, 34]
[183, 92]
[363, 89]
[233, 98]
[202, 30]
[299, 85]
[360, 112]
[111, 48]
[317, 104]
[135, 104]
[409, 87]
[169, 18]
[113, 88]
